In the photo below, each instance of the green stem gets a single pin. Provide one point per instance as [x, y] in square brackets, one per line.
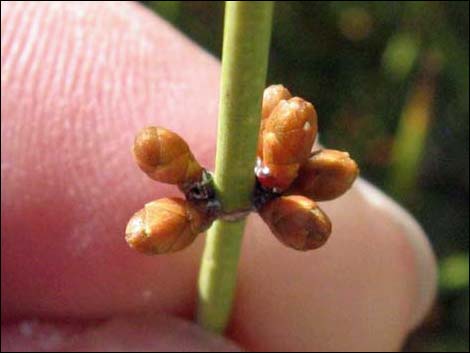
[411, 135]
[247, 34]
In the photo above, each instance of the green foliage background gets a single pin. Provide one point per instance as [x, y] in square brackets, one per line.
[361, 63]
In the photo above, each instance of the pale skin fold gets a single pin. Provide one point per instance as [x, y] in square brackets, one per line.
[78, 81]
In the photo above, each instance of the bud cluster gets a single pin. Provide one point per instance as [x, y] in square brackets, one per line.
[170, 224]
[290, 178]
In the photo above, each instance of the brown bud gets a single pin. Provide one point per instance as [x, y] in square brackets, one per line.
[325, 176]
[297, 222]
[288, 138]
[164, 156]
[271, 97]
[164, 226]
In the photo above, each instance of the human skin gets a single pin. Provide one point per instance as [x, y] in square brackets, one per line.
[78, 81]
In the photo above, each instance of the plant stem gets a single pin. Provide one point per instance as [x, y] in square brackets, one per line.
[412, 132]
[247, 33]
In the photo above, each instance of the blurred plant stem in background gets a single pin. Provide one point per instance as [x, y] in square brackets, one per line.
[413, 128]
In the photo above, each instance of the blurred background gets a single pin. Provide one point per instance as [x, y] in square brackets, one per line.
[390, 85]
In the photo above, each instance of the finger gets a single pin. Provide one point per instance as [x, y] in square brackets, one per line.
[78, 80]
[364, 290]
[122, 334]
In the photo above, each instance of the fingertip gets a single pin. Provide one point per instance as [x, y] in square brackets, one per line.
[359, 291]
[424, 258]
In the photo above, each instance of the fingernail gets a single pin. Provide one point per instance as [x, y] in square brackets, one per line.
[425, 260]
